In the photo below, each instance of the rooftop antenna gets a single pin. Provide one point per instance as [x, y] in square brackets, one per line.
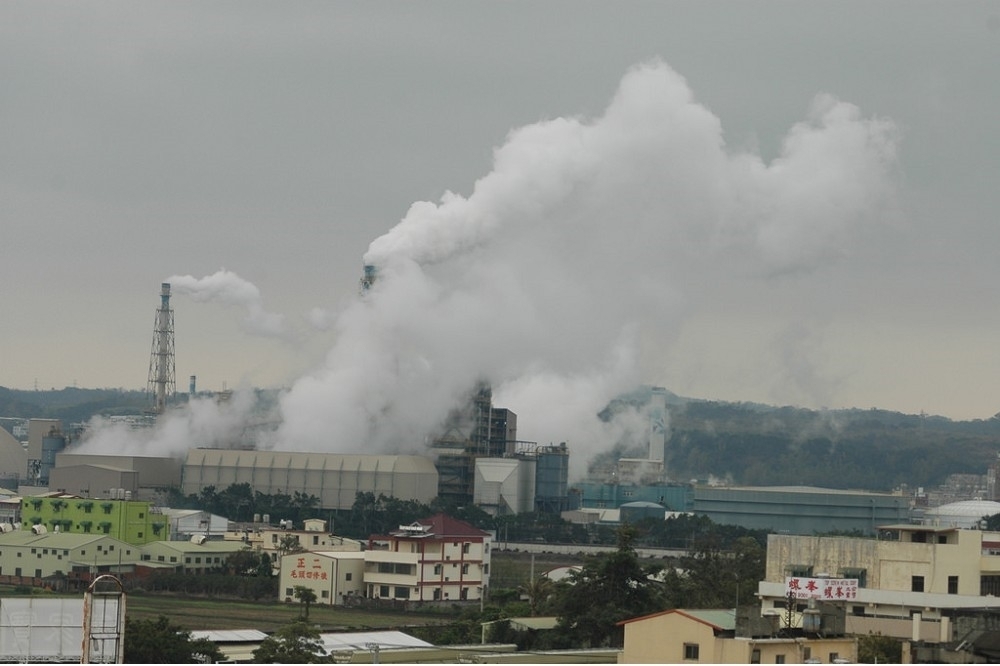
[162, 380]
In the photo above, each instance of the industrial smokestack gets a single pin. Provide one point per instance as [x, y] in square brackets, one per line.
[161, 359]
[657, 423]
[191, 386]
[368, 278]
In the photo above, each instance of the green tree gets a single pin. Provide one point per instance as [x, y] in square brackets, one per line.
[161, 642]
[879, 649]
[306, 597]
[609, 588]
[538, 591]
[295, 643]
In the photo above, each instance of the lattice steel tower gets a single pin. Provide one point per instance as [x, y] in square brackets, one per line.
[162, 374]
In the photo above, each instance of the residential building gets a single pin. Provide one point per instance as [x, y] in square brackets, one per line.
[279, 541]
[125, 519]
[434, 559]
[333, 576]
[709, 637]
[913, 581]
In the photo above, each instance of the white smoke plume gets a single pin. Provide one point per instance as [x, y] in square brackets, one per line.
[202, 422]
[229, 288]
[588, 237]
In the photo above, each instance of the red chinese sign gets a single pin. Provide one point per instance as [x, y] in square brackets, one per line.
[827, 589]
[313, 572]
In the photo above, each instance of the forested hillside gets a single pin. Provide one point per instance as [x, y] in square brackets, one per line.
[861, 449]
[71, 405]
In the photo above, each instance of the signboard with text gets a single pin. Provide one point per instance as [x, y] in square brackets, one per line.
[826, 589]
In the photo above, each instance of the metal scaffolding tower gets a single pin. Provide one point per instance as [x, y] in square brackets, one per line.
[162, 373]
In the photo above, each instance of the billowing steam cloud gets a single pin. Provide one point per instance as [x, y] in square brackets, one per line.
[587, 238]
[229, 288]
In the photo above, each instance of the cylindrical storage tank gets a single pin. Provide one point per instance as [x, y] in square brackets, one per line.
[52, 443]
[633, 512]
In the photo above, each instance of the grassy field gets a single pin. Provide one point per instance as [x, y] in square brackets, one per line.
[198, 614]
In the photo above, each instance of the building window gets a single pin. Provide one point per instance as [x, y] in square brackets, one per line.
[486, 568]
[383, 591]
[916, 584]
[857, 610]
[348, 576]
[691, 652]
[465, 568]
[807, 653]
[325, 594]
[173, 558]
[139, 536]
[465, 548]
[159, 558]
[779, 658]
[402, 592]
[464, 593]
[799, 570]
[989, 585]
[437, 569]
[289, 591]
[834, 656]
[141, 515]
[952, 584]
[315, 540]
[860, 574]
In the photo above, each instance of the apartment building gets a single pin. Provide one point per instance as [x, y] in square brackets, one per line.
[434, 559]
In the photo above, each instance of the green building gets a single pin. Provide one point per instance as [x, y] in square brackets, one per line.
[133, 522]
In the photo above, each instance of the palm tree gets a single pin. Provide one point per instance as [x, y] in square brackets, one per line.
[538, 591]
[305, 596]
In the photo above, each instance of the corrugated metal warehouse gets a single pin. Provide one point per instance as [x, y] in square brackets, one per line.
[334, 478]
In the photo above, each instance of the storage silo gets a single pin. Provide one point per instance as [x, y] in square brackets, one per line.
[52, 443]
[552, 479]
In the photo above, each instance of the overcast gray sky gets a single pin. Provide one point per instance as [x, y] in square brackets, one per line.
[252, 152]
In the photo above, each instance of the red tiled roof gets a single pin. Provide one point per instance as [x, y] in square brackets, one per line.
[443, 525]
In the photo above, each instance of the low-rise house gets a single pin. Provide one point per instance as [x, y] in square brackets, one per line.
[709, 637]
[278, 541]
[334, 576]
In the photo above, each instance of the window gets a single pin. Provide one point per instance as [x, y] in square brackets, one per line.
[401, 592]
[348, 576]
[834, 656]
[465, 548]
[800, 570]
[464, 593]
[325, 594]
[139, 536]
[173, 558]
[289, 592]
[989, 585]
[916, 584]
[465, 568]
[437, 594]
[315, 540]
[857, 610]
[159, 558]
[437, 569]
[383, 590]
[779, 658]
[691, 651]
[952, 584]
[486, 568]
[807, 653]
[142, 515]
[853, 572]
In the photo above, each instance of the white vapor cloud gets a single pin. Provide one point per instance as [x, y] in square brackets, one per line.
[202, 422]
[229, 288]
[586, 238]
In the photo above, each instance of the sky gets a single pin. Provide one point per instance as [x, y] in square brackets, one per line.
[775, 202]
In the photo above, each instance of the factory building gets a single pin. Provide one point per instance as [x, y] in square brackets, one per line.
[93, 475]
[334, 478]
[133, 522]
[800, 509]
